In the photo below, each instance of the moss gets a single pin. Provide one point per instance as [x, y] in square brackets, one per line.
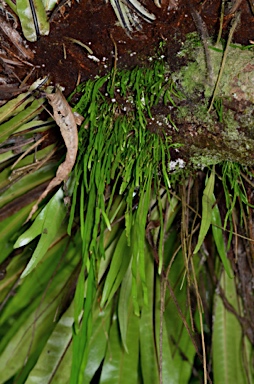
[204, 158]
[238, 76]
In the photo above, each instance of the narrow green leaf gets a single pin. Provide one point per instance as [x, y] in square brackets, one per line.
[207, 205]
[148, 348]
[118, 268]
[79, 298]
[227, 338]
[55, 208]
[54, 350]
[31, 233]
[14, 106]
[31, 314]
[218, 238]
[98, 341]
[80, 340]
[9, 229]
[177, 351]
[106, 220]
[123, 304]
[120, 367]
[14, 123]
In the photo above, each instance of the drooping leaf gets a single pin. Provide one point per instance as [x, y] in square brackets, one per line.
[43, 225]
[98, 341]
[14, 106]
[218, 237]
[227, 344]
[118, 268]
[54, 351]
[148, 346]
[24, 116]
[178, 351]
[207, 205]
[120, 367]
[123, 306]
[32, 317]
[9, 229]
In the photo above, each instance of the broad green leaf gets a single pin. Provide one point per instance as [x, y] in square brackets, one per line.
[55, 208]
[26, 311]
[138, 262]
[10, 229]
[98, 341]
[120, 367]
[81, 339]
[227, 340]
[29, 291]
[33, 18]
[24, 116]
[54, 351]
[32, 331]
[177, 349]
[148, 348]
[207, 205]
[32, 232]
[117, 270]
[123, 305]
[26, 183]
[218, 238]
[87, 325]
[14, 106]
[17, 351]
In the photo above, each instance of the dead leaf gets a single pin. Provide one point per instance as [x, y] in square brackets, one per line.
[65, 119]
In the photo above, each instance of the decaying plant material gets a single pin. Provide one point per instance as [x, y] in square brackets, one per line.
[66, 120]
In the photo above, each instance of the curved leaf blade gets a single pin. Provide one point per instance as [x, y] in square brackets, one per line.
[207, 205]
[55, 208]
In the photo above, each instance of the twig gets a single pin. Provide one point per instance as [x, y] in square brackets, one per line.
[221, 21]
[203, 32]
[232, 30]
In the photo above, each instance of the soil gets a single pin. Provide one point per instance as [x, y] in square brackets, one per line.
[94, 23]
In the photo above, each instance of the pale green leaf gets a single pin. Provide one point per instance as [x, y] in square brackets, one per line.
[14, 106]
[207, 205]
[33, 18]
[218, 238]
[24, 116]
[227, 338]
[32, 232]
[98, 340]
[54, 209]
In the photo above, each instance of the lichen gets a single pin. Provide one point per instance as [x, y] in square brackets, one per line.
[238, 75]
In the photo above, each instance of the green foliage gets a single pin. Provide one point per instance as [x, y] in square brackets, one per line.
[108, 292]
[207, 207]
[231, 353]
[43, 226]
